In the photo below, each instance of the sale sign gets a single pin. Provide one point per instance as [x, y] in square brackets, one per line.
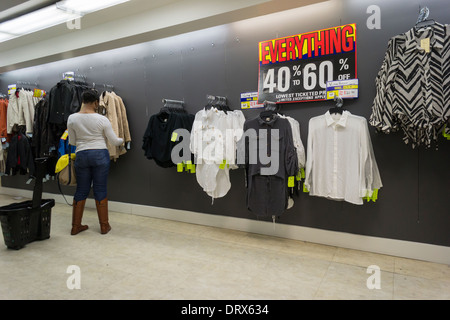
[297, 68]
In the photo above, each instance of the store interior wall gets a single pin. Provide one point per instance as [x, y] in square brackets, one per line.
[223, 61]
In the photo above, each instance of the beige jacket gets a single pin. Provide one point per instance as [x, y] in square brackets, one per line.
[113, 107]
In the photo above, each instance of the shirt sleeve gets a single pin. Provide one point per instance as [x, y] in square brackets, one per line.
[110, 135]
[382, 117]
[72, 133]
[196, 133]
[310, 157]
[291, 161]
[370, 179]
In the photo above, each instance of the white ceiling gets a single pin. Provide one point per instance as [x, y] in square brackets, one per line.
[126, 24]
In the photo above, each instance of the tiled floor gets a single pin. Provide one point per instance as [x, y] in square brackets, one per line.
[153, 259]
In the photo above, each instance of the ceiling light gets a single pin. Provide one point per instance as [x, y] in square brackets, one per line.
[59, 13]
[37, 20]
[6, 36]
[87, 6]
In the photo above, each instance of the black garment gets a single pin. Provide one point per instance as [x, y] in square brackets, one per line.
[20, 157]
[268, 193]
[64, 100]
[157, 141]
[46, 136]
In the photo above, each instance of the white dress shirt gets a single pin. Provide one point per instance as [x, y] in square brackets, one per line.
[340, 161]
[214, 139]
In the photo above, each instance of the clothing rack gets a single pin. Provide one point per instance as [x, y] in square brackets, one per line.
[216, 100]
[104, 85]
[70, 75]
[173, 106]
[26, 83]
[168, 101]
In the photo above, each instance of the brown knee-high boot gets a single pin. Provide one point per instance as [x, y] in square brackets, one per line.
[77, 216]
[102, 211]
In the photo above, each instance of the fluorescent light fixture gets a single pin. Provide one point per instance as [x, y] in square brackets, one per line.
[6, 36]
[37, 20]
[87, 6]
[59, 13]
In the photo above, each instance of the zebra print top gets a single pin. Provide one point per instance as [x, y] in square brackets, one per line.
[413, 85]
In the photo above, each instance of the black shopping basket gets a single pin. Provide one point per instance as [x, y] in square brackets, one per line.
[28, 221]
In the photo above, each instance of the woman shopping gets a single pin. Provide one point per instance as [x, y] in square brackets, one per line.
[87, 131]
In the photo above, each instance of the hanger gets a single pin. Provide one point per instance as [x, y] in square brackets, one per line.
[220, 103]
[270, 110]
[171, 106]
[422, 20]
[338, 108]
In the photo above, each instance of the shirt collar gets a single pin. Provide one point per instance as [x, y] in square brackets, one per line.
[342, 121]
[273, 119]
[436, 33]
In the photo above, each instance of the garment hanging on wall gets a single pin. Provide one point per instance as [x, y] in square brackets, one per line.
[298, 144]
[4, 118]
[20, 110]
[268, 180]
[340, 162]
[3, 133]
[412, 92]
[64, 100]
[45, 135]
[158, 140]
[112, 106]
[20, 158]
[213, 143]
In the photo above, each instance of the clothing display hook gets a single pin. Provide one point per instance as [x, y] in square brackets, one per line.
[270, 106]
[338, 108]
[423, 14]
[422, 20]
[339, 101]
[168, 101]
[106, 86]
[26, 83]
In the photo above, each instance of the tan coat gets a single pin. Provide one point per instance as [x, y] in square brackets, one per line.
[113, 107]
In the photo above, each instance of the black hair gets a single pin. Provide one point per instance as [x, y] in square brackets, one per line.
[90, 96]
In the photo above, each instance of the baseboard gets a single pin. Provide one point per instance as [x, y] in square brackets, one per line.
[393, 247]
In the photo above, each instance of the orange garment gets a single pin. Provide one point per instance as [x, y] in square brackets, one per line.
[3, 121]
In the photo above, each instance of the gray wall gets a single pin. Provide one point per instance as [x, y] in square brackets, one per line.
[414, 202]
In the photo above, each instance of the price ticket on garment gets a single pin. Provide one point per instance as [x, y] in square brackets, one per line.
[297, 68]
[346, 89]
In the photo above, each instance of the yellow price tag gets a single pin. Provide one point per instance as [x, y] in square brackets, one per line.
[174, 137]
[180, 167]
[291, 182]
[425, 44]
[222, 166]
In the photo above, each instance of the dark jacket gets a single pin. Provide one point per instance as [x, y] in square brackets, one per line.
[20, 157]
